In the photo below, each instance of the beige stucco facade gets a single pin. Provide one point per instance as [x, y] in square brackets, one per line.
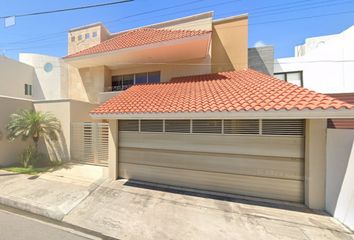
[77, 40]
[315, 163]
[13, 77]
[230, 44]
[85, 84]
[227, 50]
[67, 112]
[10, 151]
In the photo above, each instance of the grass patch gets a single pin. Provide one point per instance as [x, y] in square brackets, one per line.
[29, 171]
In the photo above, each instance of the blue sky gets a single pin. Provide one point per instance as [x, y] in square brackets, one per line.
[282, 24]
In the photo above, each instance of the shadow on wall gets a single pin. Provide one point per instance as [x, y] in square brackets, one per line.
[340, 175]
[261, 59]
[345, 203]
[56, 151]
[37, 88]
[220, 59]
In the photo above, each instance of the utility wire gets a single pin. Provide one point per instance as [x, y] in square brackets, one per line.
[66, 9]
[54, 35]
[251, 24]
[42, 37]
[257, 23]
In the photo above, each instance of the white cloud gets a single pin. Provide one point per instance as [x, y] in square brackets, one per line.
[259, 44]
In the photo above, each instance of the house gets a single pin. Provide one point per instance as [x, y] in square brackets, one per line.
[174, 103]
[323, 64]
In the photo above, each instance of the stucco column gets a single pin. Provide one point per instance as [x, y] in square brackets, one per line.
[113, 150]
[315, 163]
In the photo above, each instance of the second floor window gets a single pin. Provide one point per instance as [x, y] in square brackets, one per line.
[122, 82]
[291, 77]
[28, 89]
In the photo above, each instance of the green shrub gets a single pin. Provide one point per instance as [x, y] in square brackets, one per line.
[30, 157]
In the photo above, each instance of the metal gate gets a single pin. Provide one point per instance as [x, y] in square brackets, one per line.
[89, 143]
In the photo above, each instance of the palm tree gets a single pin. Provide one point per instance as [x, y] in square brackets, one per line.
[31, 124]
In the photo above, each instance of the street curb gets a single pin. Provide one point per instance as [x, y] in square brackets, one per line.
[54, 212]
[40, 209]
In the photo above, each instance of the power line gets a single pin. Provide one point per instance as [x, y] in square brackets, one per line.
[46, 36]
[175, 12]
[129, 16]
[302, 7]
[66, 9]
[259, 23]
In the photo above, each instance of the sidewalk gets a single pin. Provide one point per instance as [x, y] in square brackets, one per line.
[130, 210]
[52, 194]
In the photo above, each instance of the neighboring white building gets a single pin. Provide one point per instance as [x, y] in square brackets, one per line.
[51, 81]
[324, 64]
[16, 78]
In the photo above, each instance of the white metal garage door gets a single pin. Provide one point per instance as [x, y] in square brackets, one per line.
[248, 157]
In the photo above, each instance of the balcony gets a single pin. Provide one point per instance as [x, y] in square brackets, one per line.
[108, 94]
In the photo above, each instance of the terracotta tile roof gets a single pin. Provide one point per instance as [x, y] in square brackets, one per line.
[138, 37]
[342, 123]
[243, 90]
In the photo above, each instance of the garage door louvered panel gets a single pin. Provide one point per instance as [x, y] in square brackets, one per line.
[241, 126]
[240, 161]
[283, 127]
[178, 126]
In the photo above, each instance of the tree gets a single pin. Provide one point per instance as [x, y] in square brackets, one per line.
[31, 124]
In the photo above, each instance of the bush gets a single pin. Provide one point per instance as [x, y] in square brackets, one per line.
[31, 158]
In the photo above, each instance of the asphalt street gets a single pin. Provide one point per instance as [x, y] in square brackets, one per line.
[14, 226]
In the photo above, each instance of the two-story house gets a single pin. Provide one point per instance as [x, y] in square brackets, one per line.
[173, 103]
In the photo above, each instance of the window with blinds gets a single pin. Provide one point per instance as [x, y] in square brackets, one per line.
[178, 126]
[151, 125]
[283, 127]
[129, 125]
[250, 126]
[207, 126]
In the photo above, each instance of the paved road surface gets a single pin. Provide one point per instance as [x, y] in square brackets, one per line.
[14, 226]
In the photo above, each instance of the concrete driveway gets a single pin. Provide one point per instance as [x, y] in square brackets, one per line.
[52, 194]
[132, 211]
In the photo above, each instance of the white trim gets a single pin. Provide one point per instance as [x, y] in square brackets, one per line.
[17, 98]
[260, 126]
[270, 114]
[141, 47]
[169, 23]
[221, 20]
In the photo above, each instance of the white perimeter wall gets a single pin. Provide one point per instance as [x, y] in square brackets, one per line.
[13, 77]
[340, 175]
[327, 69]
[10, 151]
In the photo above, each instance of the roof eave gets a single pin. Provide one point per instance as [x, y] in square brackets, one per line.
[252, 114]
[69, 58]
